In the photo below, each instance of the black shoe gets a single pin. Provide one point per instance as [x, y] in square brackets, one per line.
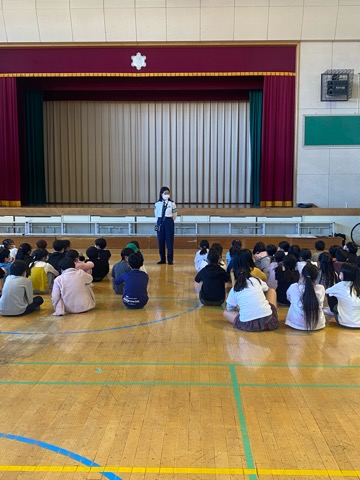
[170, 263]
[161, 262]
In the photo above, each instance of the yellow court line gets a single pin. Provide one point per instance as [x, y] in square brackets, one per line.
[175, 470]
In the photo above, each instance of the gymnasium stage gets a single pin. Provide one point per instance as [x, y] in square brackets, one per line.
[182, 241]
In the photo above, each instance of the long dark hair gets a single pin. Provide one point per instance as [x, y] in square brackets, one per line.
[351, 273]
[244, 259]
[289, 263]
[38, 255]
[204, 247]
[213, 259]
[162, 190]
[309, 299]
[328, 276]
[23, 251]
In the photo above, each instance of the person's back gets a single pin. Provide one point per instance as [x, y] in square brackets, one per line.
[101, 267]
[57, 255]
[347, 294]
[135, 283]
[211, 280]
[17, 295]
[306, 301]
[320, 248]
[201, 254]
[119, 268]
[72, 292]
[285, 276]
[100, 244]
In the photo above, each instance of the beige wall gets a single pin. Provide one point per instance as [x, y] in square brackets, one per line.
[178, 20]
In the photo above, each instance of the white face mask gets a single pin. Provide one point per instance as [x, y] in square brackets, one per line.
[165, 196]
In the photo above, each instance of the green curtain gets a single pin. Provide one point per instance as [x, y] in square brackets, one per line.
[255, 98]
[35, 192]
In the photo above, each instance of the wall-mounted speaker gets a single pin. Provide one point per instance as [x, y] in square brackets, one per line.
[336, 85]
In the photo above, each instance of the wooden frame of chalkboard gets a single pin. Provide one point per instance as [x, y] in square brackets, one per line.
[331, 130]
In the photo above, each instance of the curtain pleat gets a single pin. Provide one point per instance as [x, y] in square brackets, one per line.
[9, 144]
[278, 137]
[255, 102]
[99, 152]
[35, 190]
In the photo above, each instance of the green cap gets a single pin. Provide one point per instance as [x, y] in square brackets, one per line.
[132, 246]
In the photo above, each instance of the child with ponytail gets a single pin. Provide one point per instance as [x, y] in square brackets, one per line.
[41, 274]
[347, 293]
[201, 255]
[306, 301]
[251, 304]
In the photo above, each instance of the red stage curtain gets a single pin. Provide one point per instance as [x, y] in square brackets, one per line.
[9, 144]
[277, 159]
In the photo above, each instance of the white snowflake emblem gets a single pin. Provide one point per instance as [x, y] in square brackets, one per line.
[138, 61]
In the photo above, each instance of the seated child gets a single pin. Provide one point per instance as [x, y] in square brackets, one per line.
[251, 304]
[135, 283]
[347, 293]
[261, 257]
[235, 246]
[41, 244]
[57, 255]
[271, 250]
[201, 254]
[2, 278]
[210, 281]
[217, 248]
[119, 268]
[340, 258]
[350, 248]
[81, 265]
[134, 245]
[100, 244]
[284, 246]
[5, 260]
[24, 254]
[304, 258]
[320, 248]
[72, 291]
[270, 270]
[17, 296]
[101, 267]
[41, 273]
[285, 275]
[306, 301]
[10, 245]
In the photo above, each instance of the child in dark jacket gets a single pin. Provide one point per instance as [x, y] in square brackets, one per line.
[286, 275]
[210, 281]
[135, 283]
[101, 267]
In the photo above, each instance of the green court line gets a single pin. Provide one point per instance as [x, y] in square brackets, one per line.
[183, 384]
[250, 463]
[184, 364]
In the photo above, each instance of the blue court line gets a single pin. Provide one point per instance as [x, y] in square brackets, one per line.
[3, 332]
[61, 451]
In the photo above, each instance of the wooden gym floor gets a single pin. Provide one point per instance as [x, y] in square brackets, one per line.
[174, 392]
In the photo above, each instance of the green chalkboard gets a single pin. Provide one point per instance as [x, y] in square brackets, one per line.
[332, 130]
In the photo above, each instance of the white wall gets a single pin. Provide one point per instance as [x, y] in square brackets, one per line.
[327, 177]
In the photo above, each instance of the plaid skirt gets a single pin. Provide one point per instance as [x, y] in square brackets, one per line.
[259, 324]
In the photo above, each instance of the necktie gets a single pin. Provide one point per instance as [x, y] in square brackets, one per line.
[163, 210]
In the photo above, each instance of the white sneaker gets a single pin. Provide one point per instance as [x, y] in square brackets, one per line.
[327, 311]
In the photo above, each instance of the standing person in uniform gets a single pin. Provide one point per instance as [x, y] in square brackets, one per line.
[165, 213]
